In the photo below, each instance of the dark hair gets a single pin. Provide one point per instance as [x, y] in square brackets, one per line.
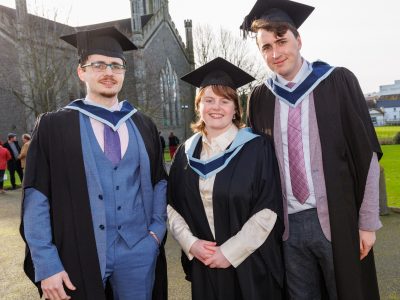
[221, 91]
[277, 27]
[85, 57]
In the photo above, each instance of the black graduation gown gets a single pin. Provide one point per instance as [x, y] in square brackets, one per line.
[55, 167]
[248, 184]
[348, 140]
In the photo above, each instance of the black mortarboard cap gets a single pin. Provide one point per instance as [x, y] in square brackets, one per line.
[106, 41]
[218, 72]
[288, 11]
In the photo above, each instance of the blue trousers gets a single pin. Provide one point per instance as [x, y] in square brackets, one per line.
[130, 271]
[308, 259]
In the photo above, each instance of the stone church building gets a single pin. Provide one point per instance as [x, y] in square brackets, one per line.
[151, 82]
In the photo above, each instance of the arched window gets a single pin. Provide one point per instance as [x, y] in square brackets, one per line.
[164, 104]
[169, 90]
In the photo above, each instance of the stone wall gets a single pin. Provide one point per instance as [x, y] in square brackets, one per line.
[160, 48]
[12, 116]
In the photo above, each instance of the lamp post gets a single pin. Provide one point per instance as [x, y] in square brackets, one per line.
[184, 108]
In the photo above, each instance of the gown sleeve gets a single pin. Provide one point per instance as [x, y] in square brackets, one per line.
[37, 229]
[252, 235]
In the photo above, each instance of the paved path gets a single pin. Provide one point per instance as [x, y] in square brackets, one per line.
[15, 286]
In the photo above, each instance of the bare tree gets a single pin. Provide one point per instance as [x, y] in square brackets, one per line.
[44, 67]
[204, 46]
[209, 44]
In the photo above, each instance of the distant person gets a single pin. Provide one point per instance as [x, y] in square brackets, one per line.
[26, 139]
[14, 164]
[4, 157]
[162, 140]
[225, 201]
[173, 143]
[328, 154]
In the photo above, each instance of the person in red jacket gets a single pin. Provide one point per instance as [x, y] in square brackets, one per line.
[4, 157]
[173, 143]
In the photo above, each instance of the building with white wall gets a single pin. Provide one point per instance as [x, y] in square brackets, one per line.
[391, 111]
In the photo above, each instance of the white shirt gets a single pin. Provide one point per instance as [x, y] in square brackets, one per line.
[98, 127]
[294, 205]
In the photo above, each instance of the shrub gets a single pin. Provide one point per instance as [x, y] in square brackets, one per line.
[386, 141]
[396, 139]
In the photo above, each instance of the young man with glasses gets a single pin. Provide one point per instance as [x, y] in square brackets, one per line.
[328, 154]
[94, 205]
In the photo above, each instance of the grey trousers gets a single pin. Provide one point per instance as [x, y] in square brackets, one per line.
[308, 259]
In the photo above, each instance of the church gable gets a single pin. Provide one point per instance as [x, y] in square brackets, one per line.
[161, 60]
[160, 91]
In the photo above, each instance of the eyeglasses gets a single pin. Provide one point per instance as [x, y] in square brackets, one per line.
[99, 66]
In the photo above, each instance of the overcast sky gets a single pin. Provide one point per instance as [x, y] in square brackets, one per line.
[362, 35]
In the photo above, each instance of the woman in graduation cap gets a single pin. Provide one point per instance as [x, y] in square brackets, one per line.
[225, 206]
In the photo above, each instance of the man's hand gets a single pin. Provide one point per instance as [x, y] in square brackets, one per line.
[155, 237]
[218, 260]
[53, 286]
[367, 240]
[202, 249]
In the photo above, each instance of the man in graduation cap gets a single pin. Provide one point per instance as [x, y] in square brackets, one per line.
[328, 155]
[225, 202]
[94, 205]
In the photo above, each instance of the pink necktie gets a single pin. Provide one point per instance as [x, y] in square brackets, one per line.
[297, 169]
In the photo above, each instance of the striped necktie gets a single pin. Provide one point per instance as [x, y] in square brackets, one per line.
[297, 169]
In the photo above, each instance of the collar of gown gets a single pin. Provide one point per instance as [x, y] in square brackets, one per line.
[111, 118]
[313, 75]
[213, 165]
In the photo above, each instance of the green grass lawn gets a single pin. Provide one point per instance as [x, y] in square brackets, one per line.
[7, 183]
[391, 163]
[386, 132]
[167, 158]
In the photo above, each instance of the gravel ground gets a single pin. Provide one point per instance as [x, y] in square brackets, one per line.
[15, 286]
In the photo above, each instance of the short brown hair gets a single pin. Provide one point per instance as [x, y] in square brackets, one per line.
[221, 91]
[278, 28]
